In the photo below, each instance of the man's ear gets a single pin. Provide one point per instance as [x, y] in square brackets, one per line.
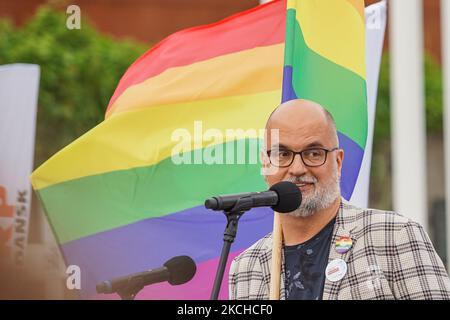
[340, 160]
[265, 163]
[264, 158]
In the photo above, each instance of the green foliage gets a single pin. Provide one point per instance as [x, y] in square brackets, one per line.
[433, 96]
[433, 99]
[381, 172]
[79, 71]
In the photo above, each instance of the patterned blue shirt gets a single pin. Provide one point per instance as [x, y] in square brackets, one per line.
[305, 265]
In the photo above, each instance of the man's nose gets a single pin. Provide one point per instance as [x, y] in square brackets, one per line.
[297, 167]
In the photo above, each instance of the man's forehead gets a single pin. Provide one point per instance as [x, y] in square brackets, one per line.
[298, 109]
[305, 144]
[297, 140]
[290, 125]
[307, 128]
[299, 123]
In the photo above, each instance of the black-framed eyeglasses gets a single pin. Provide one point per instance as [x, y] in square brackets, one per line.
[311, 157]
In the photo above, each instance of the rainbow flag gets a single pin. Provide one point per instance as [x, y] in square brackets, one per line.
[325, 62]
[120, 200]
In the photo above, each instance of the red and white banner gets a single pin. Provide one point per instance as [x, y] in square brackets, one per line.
[19, 85]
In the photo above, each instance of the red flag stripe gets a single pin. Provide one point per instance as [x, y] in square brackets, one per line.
[260, 26]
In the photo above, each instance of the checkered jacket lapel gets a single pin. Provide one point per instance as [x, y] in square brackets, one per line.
[344, 226]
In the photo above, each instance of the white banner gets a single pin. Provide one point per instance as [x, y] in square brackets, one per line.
[375, 29]
[19, 85]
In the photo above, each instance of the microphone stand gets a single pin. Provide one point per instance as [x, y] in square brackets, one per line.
[242, 205]
[131, 290]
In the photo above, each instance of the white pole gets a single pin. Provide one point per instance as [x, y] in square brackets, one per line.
[407, 110]
[445, 26]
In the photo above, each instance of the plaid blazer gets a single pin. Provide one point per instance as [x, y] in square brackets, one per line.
[391, 258]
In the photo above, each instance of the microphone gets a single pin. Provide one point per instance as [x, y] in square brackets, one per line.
[282, 197]
[177, 270]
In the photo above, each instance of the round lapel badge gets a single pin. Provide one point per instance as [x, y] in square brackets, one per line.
[336, 270]
[343, 244]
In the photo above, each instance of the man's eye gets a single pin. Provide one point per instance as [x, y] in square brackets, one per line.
[284, 154]
[312, 153]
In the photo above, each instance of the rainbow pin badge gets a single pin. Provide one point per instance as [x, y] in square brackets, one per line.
[343, 244]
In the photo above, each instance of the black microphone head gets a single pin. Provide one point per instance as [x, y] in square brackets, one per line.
[181, 269]
[289, 196]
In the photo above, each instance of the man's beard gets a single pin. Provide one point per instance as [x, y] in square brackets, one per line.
[323, 196]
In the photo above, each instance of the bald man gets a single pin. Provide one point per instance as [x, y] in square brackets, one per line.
[332, 250]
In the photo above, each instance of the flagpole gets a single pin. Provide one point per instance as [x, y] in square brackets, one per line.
[275, 279]
[277, 236]
[445, 16]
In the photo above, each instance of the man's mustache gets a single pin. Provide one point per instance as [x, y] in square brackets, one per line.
[302, 179]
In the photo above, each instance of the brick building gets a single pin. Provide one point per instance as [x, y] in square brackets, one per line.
[151, 20]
